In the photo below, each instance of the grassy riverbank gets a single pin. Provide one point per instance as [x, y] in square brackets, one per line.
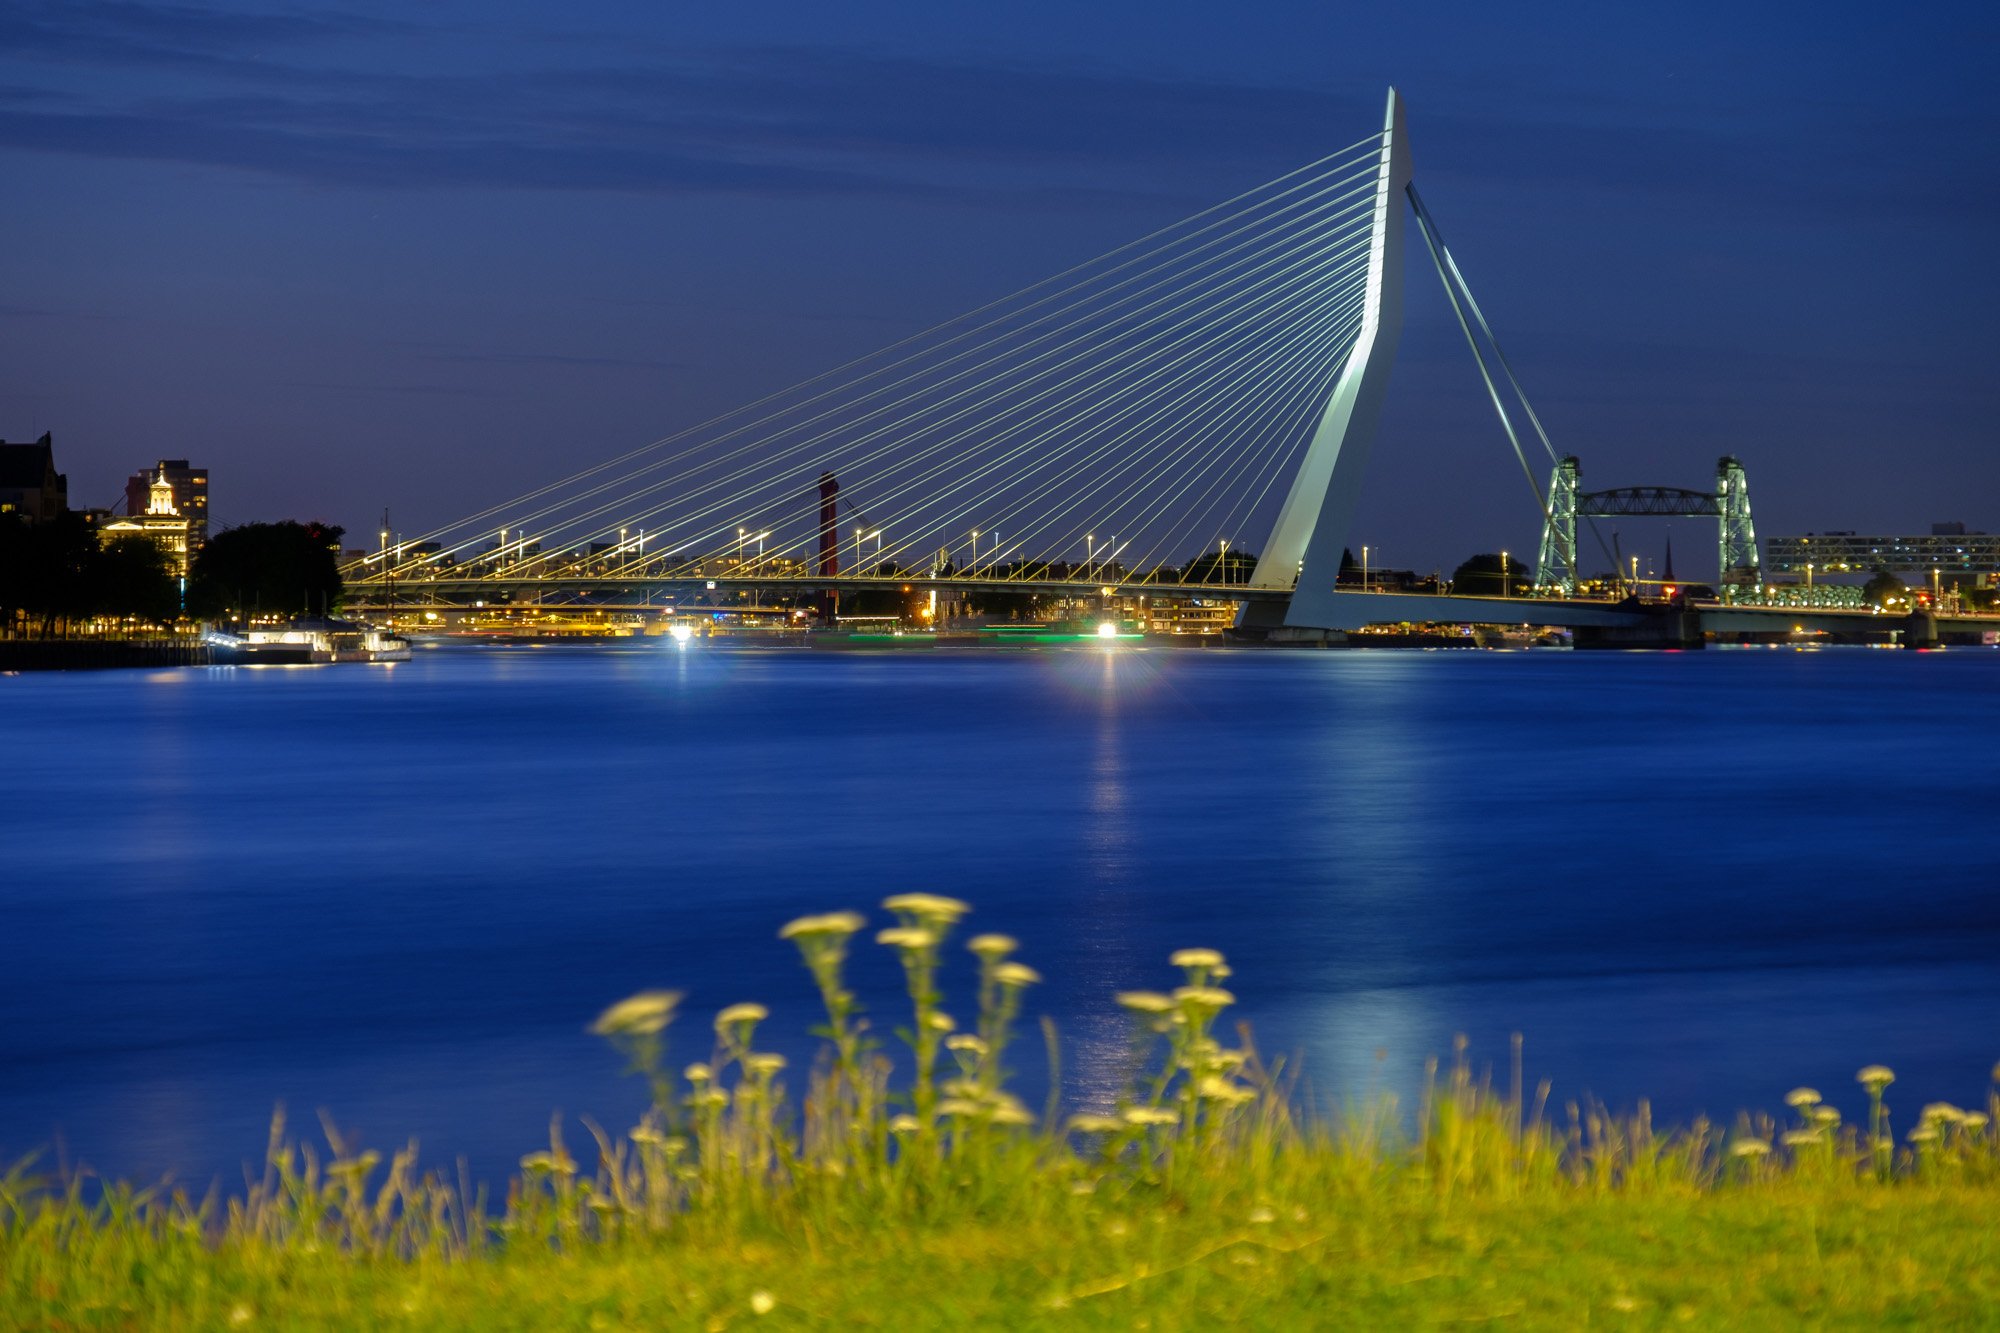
[919, 1192]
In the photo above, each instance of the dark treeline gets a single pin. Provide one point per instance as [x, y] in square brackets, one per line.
[284, 569]
[56, 577]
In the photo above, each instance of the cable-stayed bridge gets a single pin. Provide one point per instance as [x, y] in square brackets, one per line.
[1114, 429]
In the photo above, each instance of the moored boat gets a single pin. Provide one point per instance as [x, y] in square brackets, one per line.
[308, 642]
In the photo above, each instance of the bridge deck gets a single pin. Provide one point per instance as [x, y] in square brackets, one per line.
[1352, 608]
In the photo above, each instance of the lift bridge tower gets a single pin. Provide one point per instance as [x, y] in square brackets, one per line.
[1737, 562]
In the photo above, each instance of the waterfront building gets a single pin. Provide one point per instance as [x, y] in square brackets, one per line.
[1949, 549]
[29, 483]
[1169, 615]
[162, 522]
[189, 489]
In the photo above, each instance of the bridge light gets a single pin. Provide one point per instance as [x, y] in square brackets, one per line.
[1107, 630]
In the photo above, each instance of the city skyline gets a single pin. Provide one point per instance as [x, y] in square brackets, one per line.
[347, 259]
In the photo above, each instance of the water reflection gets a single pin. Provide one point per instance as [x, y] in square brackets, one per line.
[401, 895]
[1103, 917]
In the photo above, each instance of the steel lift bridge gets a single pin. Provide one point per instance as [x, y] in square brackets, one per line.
[1114, 429]
[1740, 567]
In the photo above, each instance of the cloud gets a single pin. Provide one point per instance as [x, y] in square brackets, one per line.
[51, 312]
[449, 389]
[342, 100]
[123, 33]
[551, 359]
[320, 98]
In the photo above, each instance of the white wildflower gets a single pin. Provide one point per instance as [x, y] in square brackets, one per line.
[837, 924]
[748, 1012]
[932, 909]
[1150, 1115]
[643, 1014]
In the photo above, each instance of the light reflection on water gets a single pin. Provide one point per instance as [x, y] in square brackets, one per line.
[400, 893]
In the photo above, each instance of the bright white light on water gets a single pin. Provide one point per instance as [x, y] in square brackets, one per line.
[1107, 630]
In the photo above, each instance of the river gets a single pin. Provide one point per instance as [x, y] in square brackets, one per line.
[399, 893]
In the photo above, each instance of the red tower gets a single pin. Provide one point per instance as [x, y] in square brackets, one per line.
[829, 525]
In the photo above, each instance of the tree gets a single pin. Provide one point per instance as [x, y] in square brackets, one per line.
[14, 559]
[1491, 575]
[133, 577]
[1885, 590]
[56, 572]
[1214, 567]
[281, 569]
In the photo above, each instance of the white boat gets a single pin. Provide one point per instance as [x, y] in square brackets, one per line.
[308, 642]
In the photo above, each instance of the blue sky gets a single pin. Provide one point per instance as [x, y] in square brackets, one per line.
[430, 255]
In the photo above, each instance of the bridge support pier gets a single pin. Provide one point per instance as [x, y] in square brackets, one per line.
[1667, 628]
[1294, 636]
[1920, 630]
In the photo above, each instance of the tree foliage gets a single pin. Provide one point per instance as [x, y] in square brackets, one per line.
[1491, 575]
[135, 577]
[282, 569]
[1885, 590]
[56, 573]
[1213, 567]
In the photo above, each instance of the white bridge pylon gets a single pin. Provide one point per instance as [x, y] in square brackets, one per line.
[1311, 532]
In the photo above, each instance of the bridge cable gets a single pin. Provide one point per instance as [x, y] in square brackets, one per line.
[1206, 364]
[1340, 156]
[1009, 417]
[763, 463]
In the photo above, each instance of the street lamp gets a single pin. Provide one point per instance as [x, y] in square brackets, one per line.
[1364, 566]
[741, 533]
[760, 550]
[1089, 554]
[1504, 579]
[1225, 560]
[973, 568]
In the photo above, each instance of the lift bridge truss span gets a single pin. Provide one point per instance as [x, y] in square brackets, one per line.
[1738, 566]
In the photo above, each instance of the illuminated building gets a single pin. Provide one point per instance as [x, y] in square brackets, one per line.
[189, 486]
[1949, 548]
[161, 522]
